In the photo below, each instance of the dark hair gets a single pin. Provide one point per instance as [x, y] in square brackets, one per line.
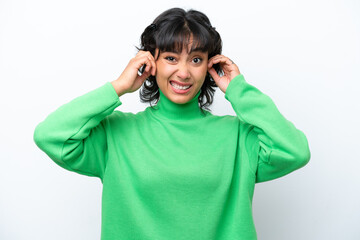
[172, 30]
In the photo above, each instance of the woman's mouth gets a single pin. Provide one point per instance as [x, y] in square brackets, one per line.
[179, 87]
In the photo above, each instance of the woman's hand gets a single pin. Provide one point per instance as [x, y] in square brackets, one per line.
[129, 80]
[229, 68]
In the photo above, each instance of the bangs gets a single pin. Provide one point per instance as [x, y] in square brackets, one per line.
[182, 35]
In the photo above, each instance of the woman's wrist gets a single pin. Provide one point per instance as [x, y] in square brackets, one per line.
[118, 88]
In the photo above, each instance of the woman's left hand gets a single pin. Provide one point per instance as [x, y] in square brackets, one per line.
[229, 68]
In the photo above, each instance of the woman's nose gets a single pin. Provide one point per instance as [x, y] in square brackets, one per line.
[183, 71]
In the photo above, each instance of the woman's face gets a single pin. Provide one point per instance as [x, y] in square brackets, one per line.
[181, 75]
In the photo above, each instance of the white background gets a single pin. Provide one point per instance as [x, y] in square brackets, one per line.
[304, 54]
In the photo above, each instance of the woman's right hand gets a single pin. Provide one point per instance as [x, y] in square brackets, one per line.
[129, 80]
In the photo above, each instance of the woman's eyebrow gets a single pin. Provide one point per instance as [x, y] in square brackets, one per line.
[171, 51]
[197, 49]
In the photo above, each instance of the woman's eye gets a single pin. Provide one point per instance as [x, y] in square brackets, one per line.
[171, 59]
[197, 60]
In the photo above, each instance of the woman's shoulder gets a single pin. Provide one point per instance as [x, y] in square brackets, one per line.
[121, 117]
[222, 118]
[229, 120]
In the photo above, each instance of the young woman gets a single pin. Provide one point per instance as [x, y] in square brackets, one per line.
[175, 171]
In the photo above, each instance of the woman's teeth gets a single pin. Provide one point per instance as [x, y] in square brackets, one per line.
[179, 87]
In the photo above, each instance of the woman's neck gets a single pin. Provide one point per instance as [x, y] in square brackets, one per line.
[165, 108]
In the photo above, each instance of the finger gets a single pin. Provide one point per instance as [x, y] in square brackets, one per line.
[144, 76]
[141, 61]
[148, 65]
[226, 64]
[222, 60]
[138, 61]
[214, 74]
[150, 62]
[216, 56]
[153, 65]
[146, 58]
[140, 54]
[229, 61]
[211, 60]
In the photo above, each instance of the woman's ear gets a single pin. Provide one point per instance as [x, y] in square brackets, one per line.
[157, 52]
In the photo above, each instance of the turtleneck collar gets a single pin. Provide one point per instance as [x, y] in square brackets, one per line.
[165, 108]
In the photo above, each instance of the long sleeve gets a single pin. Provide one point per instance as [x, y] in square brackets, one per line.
[280, 147]
[74, 135]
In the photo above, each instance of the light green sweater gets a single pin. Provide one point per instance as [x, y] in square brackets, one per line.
[171, 172]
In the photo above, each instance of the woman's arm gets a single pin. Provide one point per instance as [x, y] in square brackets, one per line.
[74, 135]
[280, 147]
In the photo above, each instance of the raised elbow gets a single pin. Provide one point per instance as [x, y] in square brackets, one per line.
[45, 140]
[38, 136]
[304, 157]
[300, 151]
